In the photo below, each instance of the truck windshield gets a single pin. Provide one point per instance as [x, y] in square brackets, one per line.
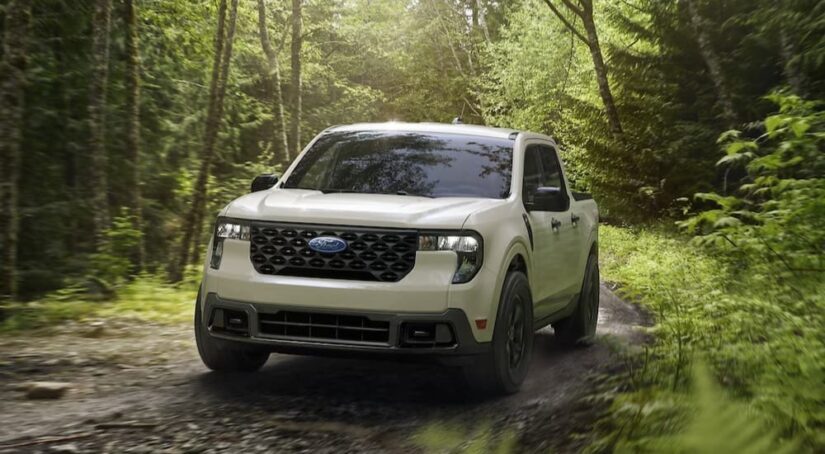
[406, 163]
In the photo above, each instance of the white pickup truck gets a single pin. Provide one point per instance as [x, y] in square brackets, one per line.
[453, 242]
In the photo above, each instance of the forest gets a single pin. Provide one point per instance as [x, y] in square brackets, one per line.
[698, 126]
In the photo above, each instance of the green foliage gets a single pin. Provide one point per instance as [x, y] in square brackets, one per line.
[515, 65]
[762, 338]
[718, 424]
[747, 294]
[440, 438]
[146, 298]
[541, 78]
[111, 264]
[776, 218]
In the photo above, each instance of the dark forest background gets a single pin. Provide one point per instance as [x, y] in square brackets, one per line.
[162, 111]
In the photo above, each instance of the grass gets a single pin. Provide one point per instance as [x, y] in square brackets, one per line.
[761, 332]
[147, 297]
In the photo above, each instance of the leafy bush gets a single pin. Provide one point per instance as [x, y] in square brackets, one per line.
[747, 292]
[777, 215]
[719, 424]
[112, 262]
[764, 339]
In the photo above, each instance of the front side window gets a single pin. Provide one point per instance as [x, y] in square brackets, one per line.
[551, 168]
[541, 170]
[532, 174]
[406, 163]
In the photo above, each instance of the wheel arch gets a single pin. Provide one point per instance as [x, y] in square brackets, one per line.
[519, 263]
[517, 258]
[594, 247]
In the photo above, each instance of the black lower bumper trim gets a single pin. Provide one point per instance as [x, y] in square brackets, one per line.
[395, 343]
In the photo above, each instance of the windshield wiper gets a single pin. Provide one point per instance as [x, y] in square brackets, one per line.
[412, 194]
[353, 191]
[339, 191]
[325, 191]
[299, 188]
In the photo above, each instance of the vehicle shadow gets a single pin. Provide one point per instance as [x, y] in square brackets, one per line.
[329, 380]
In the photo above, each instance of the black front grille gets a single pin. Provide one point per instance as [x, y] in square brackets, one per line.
[324, 327]
[371, 254]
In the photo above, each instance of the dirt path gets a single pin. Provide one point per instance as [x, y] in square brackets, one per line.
[141, 388]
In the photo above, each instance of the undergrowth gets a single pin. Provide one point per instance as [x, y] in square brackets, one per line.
[146, 297]
[761, 332]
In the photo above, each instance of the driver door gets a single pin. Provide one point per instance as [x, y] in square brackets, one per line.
[552, 236]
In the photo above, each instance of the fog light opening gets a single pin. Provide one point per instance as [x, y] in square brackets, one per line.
[427, 335]
[225, 321]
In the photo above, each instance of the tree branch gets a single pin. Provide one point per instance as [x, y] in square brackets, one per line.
[576, 10]
[566, 22]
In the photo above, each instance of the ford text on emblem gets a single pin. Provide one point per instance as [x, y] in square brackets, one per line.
[327, 244]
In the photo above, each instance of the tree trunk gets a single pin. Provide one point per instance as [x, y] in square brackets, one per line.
[482, 20]
[297, 42]
[69, 147]
[712, 61]
[790, 64]
[98, 162]
[584, 11]
[216, 85]
[601, 69]
[133, 125]
[220, 74]
[280, 141]
[12, 89]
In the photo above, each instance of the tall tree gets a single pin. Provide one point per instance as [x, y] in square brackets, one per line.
[98, 162]
[133, 123]
[12, 89]
[297, 81]
[280, 141]
[701, 31]
[583, 10]
[217, 91]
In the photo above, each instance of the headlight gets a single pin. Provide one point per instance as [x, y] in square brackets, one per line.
[226, 228]
[467, 246]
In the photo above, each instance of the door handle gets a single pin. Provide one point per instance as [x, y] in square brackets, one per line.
[555, 224]
[575, 219]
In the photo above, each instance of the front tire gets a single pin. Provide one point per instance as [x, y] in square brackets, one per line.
[222, 355]
[504, 369]
[579, 329]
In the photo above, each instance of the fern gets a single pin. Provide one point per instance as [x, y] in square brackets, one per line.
[721, 425]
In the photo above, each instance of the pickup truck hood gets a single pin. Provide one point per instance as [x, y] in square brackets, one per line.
[379, 210]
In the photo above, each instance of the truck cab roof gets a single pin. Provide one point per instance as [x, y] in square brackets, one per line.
[443, 128]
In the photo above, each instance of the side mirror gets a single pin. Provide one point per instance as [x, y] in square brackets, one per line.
[549, 199]
[263, 182]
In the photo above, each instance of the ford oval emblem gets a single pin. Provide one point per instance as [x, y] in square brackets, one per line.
[327, 244]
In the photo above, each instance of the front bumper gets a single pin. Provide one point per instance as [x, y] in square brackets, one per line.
[427, 289]
[255, 329]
